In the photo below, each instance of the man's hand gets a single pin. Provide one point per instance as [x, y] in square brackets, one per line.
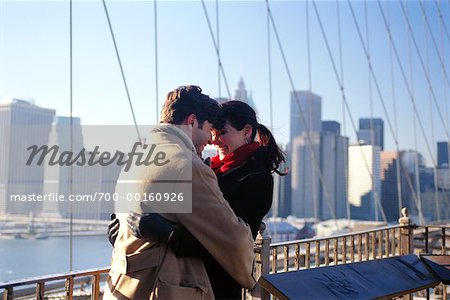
[150, 226]
[113, 229]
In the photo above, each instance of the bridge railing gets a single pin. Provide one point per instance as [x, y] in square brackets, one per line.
[378, 243]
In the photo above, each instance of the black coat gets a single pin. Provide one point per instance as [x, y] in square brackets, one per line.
[249, 189]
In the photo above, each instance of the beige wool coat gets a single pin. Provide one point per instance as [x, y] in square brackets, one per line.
[135, 262]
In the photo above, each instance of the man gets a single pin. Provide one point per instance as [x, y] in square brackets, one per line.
[147, 268]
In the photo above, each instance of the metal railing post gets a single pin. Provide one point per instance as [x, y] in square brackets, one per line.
[262, 242]
[405, 241]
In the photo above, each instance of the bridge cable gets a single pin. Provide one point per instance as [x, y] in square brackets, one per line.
[155, 13]
[416, 156]
[216, 48]
[394, 101]
[121, 70]
[424, 69]
[344, 127]
[433, 139]
[411, 96]
[302, 116]
[316, 167]
[371, 125]
[441, 18]
[378, 89]
[426, 73]
[345, 99]
[427, 23]
[445, 86]
[269, 64]
[71, 133]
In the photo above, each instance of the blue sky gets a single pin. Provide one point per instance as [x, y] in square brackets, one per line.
[34, 59]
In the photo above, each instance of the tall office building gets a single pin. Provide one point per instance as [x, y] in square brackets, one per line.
[22, 124]
[375, 124]
[305, 150]
[442, 154]
[333, 162]
[241, 94]
[86, 180]
[389, 185]
[364, 188]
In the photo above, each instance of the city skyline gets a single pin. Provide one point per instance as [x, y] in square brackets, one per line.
[34, 59]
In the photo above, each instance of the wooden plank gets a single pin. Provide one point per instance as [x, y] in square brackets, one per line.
[373, 279]
[40, 290]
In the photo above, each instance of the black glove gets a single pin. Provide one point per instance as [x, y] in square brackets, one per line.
[113, 229]
[150, 226]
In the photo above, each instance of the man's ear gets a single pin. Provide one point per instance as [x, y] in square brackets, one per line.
[190, 119]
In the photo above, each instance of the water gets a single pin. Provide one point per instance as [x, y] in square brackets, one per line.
[29, 258]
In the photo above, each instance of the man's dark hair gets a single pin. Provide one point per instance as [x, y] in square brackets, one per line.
[186, 100]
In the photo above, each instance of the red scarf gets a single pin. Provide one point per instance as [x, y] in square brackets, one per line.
[234, 159]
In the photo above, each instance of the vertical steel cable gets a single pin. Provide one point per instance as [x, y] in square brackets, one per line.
[71, 134]
[341, 87]
[302, 116]
[405, 80]
[155, 12]
[394, 100]
[314, 169]
[218, 49]
[344, 126]
[430, 100]
[372, 129]
[441, 33]
[416, 156]
[269, 63]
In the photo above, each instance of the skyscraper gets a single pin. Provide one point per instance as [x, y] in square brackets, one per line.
[375, 124]
[305, 150]
[442, 154]
[364, 189]
[242, 95]
[22, 124]
[333, 164]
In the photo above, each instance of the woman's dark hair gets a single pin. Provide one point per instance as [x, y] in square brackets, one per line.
[239, 114]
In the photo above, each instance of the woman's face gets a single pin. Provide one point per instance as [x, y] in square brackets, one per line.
[229, 138]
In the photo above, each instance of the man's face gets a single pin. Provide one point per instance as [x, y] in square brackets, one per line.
[201, 136]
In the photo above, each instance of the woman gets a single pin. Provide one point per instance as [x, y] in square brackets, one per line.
[244, 169]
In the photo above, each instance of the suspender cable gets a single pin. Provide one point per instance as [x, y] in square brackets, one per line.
[341, 87]
[344, 127]
[372, 130]
[394, 101]
[121, 69]
[408, 88]
[216, 47]
[308, 46]
[269, 64]
[433, 96]
[155, 13]
[416, 157]
[422, 64]
[441, 60]
[433, 140]
[441, 18]
[302, 116]
[446, 100]
[71, 134]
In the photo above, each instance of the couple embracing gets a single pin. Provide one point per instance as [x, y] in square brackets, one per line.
[208, 253]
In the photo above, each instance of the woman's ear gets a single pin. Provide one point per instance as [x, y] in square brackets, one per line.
[248, 130]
